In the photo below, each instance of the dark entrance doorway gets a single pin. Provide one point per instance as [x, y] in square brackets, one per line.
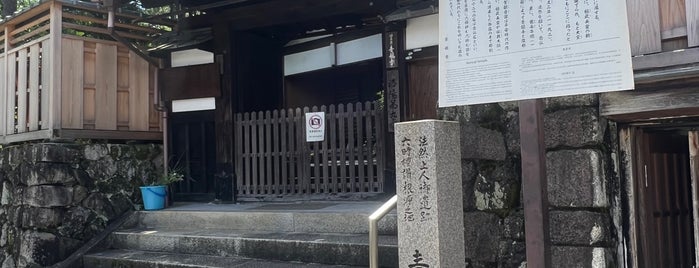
[664, 200]
[192, 146]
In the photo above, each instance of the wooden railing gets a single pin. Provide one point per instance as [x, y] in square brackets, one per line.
[274, 159]
[62, 76]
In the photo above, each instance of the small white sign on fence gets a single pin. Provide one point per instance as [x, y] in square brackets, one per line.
[315, 126]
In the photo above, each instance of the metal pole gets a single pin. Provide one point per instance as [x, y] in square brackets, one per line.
[374, 230]
[535, 194]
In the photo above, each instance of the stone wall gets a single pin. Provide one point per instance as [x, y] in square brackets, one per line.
[56, 196]
[578, 172]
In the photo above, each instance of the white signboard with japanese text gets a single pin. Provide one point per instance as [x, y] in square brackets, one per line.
[315, 126]
[505, 50]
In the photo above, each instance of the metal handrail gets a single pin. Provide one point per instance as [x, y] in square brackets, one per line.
[374, 230]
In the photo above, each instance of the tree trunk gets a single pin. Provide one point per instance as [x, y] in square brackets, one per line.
[8, 7]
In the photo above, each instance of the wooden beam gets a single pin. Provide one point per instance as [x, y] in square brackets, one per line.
[29, 136]
[534, 184]
[694, 166]
[56, 32]
[223, 115]
[628, 164]
[645, 104]
[269, 13]
[108, 134]
[666, 59]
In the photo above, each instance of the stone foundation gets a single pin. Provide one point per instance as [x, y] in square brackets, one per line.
[578, 162]
[56, 196]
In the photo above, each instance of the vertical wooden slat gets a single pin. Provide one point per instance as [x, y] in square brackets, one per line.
[678, 209]
[248, 153]
[269, 179]
[138, 93]
[380, 145]
[11, 92]
[72, 84]
[668, 209]
[658, 207]
[22, 63]
[34, 52]
[277, 154]
[305, 151]
[686, 207]
[370, 112]
[56, 22]
[260, 182]
[316, 186]
[325, 152]
[359, 182]
[253, 156]
[332, 150]
[238, 154]
[285, 151]
[692, 9]
[351, 147]
[106, 87]
[293, 152]
[694, 171]
[343, 161]
[45, 84]
[644, 26]
[21, 92]
[3, 94]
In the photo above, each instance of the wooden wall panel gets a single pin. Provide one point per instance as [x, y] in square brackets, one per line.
[122, 89]
[106, 87]
[34, 52]
[644, 26]
[122, 109]
[154, 115]
[138, 93]
[22, 63]
[3, 95]
[89, 108]
[673, 22]
[72, 84]
[692, 10]
[11, 95]
[45, 87]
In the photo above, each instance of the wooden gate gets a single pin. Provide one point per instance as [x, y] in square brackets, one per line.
[274, 159]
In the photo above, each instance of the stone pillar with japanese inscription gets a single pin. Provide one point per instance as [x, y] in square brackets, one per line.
[430, 197]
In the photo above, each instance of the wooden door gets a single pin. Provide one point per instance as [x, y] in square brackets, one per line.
[422, 89]
[192, 149]
[665, 219]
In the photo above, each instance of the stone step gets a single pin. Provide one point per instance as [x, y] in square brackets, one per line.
[144, 259]
[335, 248]
[279, 221]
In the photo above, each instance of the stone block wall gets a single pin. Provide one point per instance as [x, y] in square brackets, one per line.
[56, 196]
[578, 170]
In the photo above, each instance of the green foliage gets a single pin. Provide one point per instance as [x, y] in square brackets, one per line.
[174, 175]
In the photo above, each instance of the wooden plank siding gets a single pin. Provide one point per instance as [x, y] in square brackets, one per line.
[106, 87]
[274, 159]
[644, 26]
[3, 94]
[692, 17]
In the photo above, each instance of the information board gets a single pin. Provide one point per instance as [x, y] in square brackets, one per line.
[504, 50]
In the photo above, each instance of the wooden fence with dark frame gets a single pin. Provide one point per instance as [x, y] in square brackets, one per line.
[274, 159]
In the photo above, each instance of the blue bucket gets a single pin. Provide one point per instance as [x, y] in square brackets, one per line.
[153, 197]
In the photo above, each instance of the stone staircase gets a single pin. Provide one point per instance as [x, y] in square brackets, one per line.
[252, 235]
